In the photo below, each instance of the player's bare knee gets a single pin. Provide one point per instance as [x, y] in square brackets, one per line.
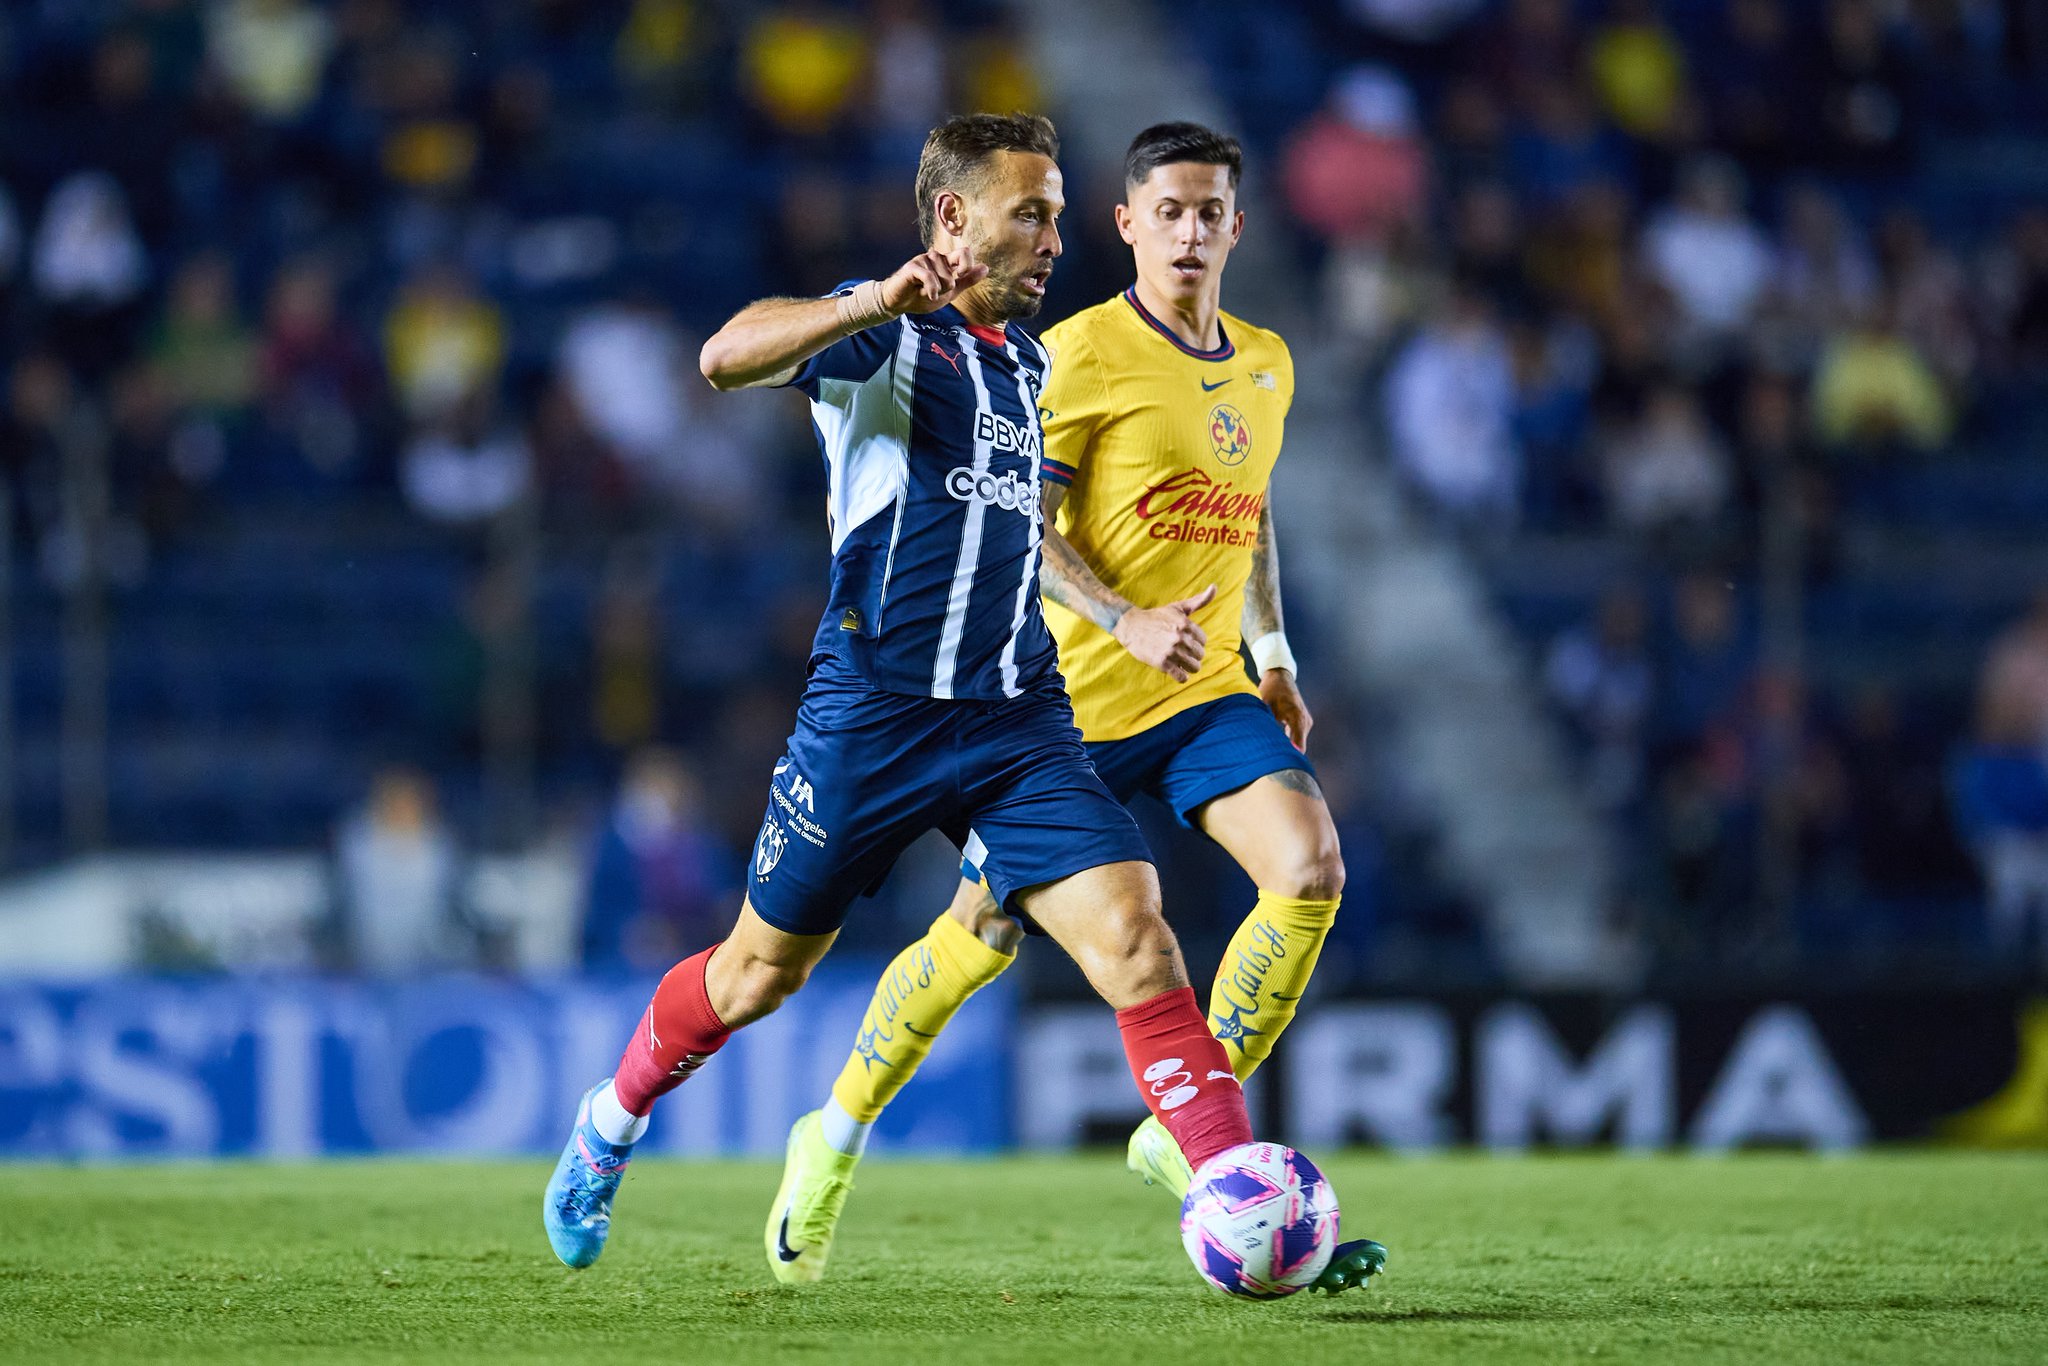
[1315, 873]
[1135, 955]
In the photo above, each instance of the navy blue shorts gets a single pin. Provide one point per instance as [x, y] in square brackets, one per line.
[867, 772]
[1193, 758]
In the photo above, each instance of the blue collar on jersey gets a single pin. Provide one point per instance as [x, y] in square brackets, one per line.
[1224, 351]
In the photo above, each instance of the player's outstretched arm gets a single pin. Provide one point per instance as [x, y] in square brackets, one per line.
[1266, 628]
[767, 341]
[1166, 638]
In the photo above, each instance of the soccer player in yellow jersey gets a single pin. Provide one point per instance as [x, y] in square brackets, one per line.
[1163, 418]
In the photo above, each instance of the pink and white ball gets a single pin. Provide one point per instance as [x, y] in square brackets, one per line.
[1259, 1221]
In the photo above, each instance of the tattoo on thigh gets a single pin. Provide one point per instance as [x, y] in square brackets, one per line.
[1296, 780]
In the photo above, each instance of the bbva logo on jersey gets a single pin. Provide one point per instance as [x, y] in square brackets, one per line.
[999, 433]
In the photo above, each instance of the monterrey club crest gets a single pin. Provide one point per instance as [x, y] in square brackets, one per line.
[1230, 436]
[768, 849]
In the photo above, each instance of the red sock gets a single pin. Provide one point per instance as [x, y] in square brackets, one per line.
[678, 1032]
[1185, 1074]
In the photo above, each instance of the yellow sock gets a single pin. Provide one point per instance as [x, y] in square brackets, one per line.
[918, 993]
[1262, 976]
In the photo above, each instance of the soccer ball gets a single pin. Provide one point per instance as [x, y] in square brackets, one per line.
[1259, 1221]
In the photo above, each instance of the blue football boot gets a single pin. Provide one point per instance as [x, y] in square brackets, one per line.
[577, 1209]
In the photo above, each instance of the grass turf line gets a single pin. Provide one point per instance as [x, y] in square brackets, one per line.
[1909, 1257]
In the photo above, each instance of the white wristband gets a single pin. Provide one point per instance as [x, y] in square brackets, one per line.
[1270, 651]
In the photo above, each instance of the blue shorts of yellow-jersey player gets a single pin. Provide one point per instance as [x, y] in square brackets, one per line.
[1192, 758]
[867, 772]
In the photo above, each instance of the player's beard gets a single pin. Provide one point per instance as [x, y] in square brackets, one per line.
[1006, 290]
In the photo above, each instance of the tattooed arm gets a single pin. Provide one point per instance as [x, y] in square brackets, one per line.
[1262, 618]
[1166, 637]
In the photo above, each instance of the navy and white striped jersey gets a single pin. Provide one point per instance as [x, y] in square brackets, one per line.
[929, 429]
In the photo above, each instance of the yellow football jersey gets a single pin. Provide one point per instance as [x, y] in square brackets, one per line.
[1167, 452]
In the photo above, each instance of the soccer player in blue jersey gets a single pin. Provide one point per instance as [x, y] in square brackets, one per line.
[934, 700]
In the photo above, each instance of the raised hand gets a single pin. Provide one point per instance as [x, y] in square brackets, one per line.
[1166, 638]
[930, 280]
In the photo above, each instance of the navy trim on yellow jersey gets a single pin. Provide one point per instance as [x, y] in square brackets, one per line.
[1049, 468]
[1223, 352]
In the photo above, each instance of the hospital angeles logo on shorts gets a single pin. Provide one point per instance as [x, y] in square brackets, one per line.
[979, 486]
[769, 848]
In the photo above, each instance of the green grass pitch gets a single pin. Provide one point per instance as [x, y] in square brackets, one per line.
[1904, 1257]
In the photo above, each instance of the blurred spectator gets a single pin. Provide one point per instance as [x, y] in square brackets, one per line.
[1553, 372]
[430, 143]
[1776, 463]
[665, 45]
[1929, 297]
[42, 418]
[1451, 409]
[2013, 695]
[319, 379]
[803, 63]
[1759, 79]
[2020, 293]
[1486, 241]
[468, 467]
[1522, 53]
[441, 342]
[1580, 255]
[660, 881]
[1639, 69]
[203, 353]
[1864, 92]
[1715, 262]
[399, 872]
[1668, 468]
[1600, 674]
[1873, 391]
[1707, 664]
[1560, 146]
[1824, 276]
[1358, 170]
[625, 365]
[89, 269]
[174, 33]
[273, 54]
[1471, 136]
[907, 90]
[993, 69]
[2001, 784]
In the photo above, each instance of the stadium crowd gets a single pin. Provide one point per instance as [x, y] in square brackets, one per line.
[350, 360]
[347, 298]
[1736, 297]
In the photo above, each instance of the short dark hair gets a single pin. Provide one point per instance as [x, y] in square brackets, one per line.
[1164, 144]
[957, 150]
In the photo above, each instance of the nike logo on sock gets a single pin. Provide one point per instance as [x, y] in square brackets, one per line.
[782, 1247]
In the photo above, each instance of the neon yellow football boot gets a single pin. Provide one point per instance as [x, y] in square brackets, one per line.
[1155, 1156]
[816, 1179]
